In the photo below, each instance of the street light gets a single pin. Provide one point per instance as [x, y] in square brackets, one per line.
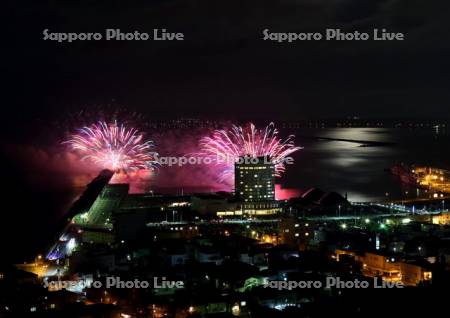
[406, 198]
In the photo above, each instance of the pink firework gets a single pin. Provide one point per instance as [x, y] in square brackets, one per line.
[114, 147]
[226, 146]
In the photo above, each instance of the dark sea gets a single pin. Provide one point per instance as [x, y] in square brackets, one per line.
[358, 168]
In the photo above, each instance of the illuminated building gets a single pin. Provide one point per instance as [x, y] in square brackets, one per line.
[441, 219]
[109, 200]
[434, 179]
[255, 186]
[414, 274]
[254, 180]
[386, 266]
[97, 222]
[292, 233]
[389, 267]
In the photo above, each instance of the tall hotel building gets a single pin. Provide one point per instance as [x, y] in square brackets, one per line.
[255, 186]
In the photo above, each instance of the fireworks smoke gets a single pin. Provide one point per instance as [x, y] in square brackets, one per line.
[247, 141]
[113, 146]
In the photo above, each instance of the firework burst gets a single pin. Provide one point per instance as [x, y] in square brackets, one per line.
[113, 146]
[247, 141]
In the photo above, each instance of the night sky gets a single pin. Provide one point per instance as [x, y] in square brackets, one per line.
[223, 69]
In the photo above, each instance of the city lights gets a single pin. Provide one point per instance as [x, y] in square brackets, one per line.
[229, 163]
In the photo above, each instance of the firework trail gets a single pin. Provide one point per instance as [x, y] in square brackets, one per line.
[115, 147]
[228, 145]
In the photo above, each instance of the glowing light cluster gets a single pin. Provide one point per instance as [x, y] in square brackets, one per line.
[247, 141]
[113, 146]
